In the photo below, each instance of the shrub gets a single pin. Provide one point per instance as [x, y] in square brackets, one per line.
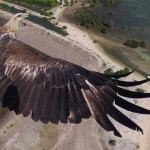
[64, 27]
[103, 30]
[109, 71]
[95, 41]
[11, 125]
[123, 71]
[112, 142]
[4, 132]
[134, 43]
[119, 72]
[140, 90]
[53, 17]
[143, 44]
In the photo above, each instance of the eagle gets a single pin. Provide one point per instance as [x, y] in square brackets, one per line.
[54, 90]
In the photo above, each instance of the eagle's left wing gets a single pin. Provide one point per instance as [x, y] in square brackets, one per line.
[53, 90]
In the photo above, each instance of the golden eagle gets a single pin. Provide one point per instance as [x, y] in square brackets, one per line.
[54, 90]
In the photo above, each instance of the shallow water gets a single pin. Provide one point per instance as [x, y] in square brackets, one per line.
[132, 20]
[134, 15]
[132, 12]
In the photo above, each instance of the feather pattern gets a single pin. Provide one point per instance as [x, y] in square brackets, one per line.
[53, 90]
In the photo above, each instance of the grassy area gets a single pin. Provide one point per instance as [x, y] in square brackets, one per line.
[41, 6]
[38, 20]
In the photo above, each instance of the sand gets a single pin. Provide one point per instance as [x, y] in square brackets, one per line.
[79, 48]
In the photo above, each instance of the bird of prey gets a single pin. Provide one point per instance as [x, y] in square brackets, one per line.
[54, 90]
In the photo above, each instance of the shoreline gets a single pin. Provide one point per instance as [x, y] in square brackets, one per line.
[128, 56]
[74, 31]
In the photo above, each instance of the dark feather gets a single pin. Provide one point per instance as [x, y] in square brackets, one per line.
[121, 118]
[64, 110]
[132, 83]
[129, 106]
[56, 106]
[75, 116]
[54, 90]
[99, 113]
[131, 94]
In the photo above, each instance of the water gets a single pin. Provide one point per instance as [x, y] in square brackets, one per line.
[132, 20]
[133, 13]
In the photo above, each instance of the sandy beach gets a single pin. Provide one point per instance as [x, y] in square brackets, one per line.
[77, 47]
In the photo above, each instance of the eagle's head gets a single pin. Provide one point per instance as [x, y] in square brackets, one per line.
[11, 27]
[18, 17]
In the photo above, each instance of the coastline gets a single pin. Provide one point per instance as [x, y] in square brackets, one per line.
[81, 39]
[113, 45]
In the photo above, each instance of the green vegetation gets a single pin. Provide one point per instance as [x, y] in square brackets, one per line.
[41, 6]
[11, 125]
[91, 3]
[110, 2]
[123, 71]
[109, 71]
[113, 2]
[119, 72]
[134, 43]
[102, 2]
[38, 20]
[66, 3]
[88, 18]
[95, 41]
[112, 142]
[4, 132]
[140, 90]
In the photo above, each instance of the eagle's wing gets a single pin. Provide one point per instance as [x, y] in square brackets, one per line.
[53, 90]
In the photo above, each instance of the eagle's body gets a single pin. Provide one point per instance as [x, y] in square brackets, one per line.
[54, 90]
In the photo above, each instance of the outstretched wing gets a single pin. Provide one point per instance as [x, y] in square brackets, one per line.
[53, 90]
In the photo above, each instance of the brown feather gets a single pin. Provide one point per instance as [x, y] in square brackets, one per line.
[55, 90]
